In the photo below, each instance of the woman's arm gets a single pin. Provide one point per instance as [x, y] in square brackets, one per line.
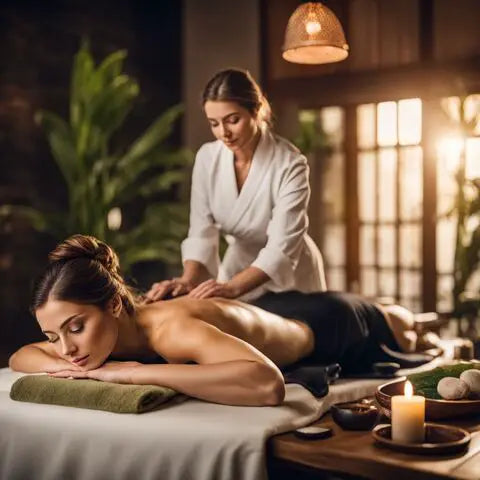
[287, 227]
[194, 272]
[200, 249]
[202, 242]
[238, 382]
[228, 370]
[36, 358]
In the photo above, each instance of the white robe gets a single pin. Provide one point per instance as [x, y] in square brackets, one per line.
[265, 225]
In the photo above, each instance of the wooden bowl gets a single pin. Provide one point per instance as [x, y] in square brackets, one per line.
[354, 415]
[434, 409]
[439, 440]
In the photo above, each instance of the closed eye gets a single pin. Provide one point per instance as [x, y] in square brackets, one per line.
[76, 328]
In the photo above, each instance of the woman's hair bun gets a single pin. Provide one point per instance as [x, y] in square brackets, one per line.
[85, 246]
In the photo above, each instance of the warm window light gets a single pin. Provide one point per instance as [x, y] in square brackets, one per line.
[449, 150]
[409, 121]
[314, 35]
[387, 124]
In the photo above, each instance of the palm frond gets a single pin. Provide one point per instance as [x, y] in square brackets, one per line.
[155, 134]
[98, 180]
[61, 143]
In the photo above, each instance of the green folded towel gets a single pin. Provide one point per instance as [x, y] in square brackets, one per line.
[111, 397]
[425, 383]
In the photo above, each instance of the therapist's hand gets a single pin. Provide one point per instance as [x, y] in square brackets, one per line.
[174, 287]
[212, 288]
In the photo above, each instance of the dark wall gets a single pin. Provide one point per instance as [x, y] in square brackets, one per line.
[37, 42]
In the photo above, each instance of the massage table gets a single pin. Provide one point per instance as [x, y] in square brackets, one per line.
[189, 440]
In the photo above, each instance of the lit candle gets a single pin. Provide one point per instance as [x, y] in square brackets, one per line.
[408, 417]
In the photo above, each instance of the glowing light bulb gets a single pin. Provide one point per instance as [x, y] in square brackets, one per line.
[313, 27]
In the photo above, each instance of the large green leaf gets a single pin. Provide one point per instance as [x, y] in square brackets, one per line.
[83, 68]
[166, 223]
[109, 69]
[61, 143]
[98, 180]
[123, 178]
[159, 184]
[109, 107]
[155, 134]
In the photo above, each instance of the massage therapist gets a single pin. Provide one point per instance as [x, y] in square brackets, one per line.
[252, 187]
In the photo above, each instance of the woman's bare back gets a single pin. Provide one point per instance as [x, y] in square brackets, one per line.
[282, 340]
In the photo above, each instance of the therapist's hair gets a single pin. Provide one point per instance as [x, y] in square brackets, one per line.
[85, 270]
[235, 85]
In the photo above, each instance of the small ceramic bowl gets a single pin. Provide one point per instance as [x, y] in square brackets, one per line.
[354, 415]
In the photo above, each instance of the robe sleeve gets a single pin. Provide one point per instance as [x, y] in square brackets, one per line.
[202, 242]
[286, 229]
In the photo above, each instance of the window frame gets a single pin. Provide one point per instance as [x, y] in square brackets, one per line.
[349, 90]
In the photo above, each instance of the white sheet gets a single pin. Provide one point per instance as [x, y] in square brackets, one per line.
[193, 440]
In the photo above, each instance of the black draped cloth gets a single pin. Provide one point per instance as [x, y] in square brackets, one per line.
[348, 329]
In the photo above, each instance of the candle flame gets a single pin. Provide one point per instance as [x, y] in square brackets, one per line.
[408, 389]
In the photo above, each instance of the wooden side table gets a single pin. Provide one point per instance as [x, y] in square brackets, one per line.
[355, 453]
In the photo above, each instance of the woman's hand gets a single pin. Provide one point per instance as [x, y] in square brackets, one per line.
[212, 288]
[175, 287]
[60, 365]
[114, 372]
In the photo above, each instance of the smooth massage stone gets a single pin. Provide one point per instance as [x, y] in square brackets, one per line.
[472, 379]
[451, 388]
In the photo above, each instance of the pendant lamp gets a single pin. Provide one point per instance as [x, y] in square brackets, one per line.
[314, 35]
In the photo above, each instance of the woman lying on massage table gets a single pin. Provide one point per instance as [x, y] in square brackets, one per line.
[91, 317]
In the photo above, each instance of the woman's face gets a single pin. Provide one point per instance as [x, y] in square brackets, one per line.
[231, 123]
[84, 335]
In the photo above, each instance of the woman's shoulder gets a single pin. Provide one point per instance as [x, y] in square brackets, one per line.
[287, 160]
[287, 153]
[154, 315]
[208, 149]
[286, 145]
[160, 320]
[167, 325]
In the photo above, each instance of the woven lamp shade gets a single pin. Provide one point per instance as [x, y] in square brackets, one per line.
[314, 35]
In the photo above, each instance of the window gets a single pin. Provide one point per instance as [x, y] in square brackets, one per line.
[390, 200]
[387, 235]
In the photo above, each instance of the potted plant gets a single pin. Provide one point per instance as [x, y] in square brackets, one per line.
[101, 182]
[466, 208]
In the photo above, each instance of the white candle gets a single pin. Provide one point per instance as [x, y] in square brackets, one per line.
[408, 417]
